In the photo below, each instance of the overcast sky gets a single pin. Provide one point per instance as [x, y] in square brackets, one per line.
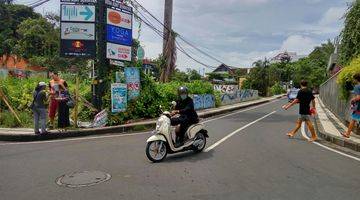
[239, 32]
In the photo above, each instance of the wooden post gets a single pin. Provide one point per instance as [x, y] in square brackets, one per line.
[2, 95]
[76, 109]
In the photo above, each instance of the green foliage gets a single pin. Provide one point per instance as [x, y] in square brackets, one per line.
[350, 43]
[37, 38]
[277, 89]
[189, 76]
[11, 17]
[345, 78]
[8, 120]
[257, 80]
[19, 93]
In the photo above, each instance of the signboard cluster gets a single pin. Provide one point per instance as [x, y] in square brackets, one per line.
[78, 32]
[118, 31]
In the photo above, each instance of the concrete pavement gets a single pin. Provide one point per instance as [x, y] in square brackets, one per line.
[256, 162]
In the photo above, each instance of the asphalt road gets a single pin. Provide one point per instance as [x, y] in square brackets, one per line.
[257, 162]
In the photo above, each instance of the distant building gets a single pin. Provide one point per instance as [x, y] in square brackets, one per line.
[286, 57]
[19, 67]
[228, 74]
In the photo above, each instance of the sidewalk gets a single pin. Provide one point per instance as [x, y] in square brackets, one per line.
[330, 128]
[24, 134]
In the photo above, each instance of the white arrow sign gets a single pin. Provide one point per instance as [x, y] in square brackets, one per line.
[77, 13]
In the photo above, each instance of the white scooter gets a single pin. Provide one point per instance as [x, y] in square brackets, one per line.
[163, 140]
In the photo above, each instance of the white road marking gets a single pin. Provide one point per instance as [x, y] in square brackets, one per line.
[236, 131]
[130, 134]
[303, 132]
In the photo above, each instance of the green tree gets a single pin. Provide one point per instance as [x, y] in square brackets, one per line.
[350, 44]
[11, 18]
[37, 38]
[193, 75]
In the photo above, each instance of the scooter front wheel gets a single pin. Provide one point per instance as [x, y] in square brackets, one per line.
[200, 143]
[156, 151]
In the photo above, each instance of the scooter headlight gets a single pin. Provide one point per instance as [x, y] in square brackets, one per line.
[159, 123]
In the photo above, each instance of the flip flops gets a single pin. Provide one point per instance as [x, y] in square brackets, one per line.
[345, 135]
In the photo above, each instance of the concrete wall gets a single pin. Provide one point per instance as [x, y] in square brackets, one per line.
[239, 96]
[203, 101]
[329, 94]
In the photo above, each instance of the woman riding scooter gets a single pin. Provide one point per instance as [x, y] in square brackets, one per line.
[187, 114]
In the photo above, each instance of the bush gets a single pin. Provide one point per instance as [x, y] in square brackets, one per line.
[277, 89]
[346, 78]
[8, 120]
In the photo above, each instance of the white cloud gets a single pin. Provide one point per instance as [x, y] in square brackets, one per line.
[332, 16]
[300, 44]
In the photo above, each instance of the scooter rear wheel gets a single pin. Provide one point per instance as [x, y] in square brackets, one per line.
[156, 151]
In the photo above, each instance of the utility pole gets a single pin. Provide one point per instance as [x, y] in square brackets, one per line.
[102, 64]
[168, 42]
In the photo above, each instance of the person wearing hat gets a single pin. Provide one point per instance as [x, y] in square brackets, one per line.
[39, 107]
[187, 114]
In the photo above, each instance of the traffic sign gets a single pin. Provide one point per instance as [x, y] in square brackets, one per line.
[119, 35]
[77, 13]
[78, 31]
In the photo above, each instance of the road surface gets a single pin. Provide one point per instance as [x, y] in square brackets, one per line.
[248, 157]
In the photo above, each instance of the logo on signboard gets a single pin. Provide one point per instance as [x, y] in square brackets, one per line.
[118, 18]
[78, 48]
[78, 13]
[78, 31]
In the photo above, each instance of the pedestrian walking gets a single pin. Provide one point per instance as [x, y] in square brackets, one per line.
[55, 90]
[39, 108]
[355, 107]
[304, 98]
[63, 108]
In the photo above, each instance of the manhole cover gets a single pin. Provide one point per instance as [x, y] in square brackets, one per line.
[82, 179]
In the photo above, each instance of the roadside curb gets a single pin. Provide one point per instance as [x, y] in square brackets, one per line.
[123, 129]
[338, 140]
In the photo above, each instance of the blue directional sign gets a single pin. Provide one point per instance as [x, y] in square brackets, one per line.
[119, 35]
[77, 13]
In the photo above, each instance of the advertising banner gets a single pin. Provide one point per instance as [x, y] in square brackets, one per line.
[77, 13]
[119, 35]
[118, 52]
[78, 31]
[100, 120]
[118, 97]
[132, 76]
[119, 18]
[78, 48]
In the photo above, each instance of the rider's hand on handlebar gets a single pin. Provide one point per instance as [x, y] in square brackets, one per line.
[174, 112]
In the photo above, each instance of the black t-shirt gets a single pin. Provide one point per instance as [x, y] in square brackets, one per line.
[305, 97]
[186, 107]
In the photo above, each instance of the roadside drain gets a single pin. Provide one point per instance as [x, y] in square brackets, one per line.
[82, 179]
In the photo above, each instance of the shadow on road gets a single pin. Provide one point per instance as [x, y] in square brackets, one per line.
[188, 156]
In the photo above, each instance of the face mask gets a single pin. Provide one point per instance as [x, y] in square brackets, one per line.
[183, 96]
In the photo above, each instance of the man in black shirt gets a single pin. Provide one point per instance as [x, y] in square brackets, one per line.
[188, 116]
[304, 98]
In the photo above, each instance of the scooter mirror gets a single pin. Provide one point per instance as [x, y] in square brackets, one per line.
[173, 103]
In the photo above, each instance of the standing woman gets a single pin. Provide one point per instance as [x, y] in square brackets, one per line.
[39, 107]
[63, 110]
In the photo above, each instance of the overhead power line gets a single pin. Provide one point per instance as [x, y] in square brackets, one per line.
[160, 34]
[179, 36]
